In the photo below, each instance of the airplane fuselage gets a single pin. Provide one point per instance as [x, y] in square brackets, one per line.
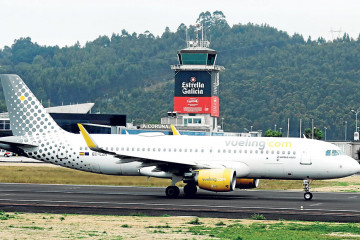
[279, 158]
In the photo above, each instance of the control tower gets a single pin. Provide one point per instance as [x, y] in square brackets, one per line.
[196, 99]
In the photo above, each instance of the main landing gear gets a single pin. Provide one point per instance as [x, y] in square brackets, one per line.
[190, 190]
[172, 191]
[307, 195]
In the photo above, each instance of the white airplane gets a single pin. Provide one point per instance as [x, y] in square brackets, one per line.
[218, 164]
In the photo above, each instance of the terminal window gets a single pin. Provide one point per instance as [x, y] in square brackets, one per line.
[5, 124]
[192, 121]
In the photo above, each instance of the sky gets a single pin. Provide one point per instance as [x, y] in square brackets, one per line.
[64, 22]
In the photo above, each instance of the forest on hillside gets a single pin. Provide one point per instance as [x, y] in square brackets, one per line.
[269, 76]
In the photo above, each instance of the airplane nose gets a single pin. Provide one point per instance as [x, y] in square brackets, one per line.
[352, 166]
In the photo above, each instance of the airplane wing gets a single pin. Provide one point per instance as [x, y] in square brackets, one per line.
[128, 158]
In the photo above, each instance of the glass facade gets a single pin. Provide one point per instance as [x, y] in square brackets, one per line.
[194, 58]
[69, 121]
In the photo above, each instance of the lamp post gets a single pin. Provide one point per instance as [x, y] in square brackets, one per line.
[325, 132]
[251, 128]
[275, 127]
[345, 130]
[356, 121]
[280, 130]
[222, 124]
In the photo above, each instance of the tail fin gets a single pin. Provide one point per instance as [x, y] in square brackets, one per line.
[27, 115]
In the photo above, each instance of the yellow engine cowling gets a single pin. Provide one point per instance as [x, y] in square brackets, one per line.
[217, 180]
[246, 183]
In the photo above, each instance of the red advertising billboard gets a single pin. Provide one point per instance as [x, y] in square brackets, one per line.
[197, 105]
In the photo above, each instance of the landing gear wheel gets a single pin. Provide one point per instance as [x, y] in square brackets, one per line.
[190, 190]
[172, 191]
[308, 196]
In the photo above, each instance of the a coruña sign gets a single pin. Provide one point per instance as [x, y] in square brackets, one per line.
[155, 126]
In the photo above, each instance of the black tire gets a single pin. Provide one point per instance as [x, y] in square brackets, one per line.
[190, 190]
[172, 191]
[308, 196]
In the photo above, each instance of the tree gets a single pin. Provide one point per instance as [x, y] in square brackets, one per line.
[272, 133]
[208, 20]
[317, 133]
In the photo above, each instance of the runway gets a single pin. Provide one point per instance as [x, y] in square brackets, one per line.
[114, 200]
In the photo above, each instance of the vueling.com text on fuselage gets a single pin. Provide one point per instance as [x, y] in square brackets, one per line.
[256, 143]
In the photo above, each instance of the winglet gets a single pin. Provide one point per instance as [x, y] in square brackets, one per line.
[174, 130]
[89, 141]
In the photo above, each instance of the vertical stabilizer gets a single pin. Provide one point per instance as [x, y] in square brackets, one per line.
[27, 115]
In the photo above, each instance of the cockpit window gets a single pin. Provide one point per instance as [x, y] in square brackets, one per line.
[334, 153]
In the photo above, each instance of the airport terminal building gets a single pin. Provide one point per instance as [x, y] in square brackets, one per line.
[68, 116]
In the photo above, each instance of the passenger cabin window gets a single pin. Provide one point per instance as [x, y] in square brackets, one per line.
[328, 153]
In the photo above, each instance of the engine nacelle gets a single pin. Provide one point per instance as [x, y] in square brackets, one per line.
[217, 180]
[246, 183]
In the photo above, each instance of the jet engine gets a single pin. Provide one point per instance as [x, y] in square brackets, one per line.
[246, 183]
[217, 180]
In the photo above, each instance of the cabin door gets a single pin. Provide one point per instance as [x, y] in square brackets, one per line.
[305, 158]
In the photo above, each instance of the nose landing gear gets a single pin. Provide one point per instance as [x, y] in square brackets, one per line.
[307, 195]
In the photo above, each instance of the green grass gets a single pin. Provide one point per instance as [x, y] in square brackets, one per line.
[195, 221]
[279, 231]
[6, 216]
[61, 175]
[221, 223]
[160, 226]
[38, 225]
[258, 217]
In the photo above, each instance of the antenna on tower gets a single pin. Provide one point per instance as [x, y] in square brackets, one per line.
[335, 31]
[202, 32]
[203, 42]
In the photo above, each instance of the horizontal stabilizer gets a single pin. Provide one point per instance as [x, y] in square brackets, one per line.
[17, 141]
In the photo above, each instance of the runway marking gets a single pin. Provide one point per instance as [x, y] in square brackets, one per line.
[316, 204]
[177, 205]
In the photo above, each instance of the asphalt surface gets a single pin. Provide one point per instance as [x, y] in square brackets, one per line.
[114, 200]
